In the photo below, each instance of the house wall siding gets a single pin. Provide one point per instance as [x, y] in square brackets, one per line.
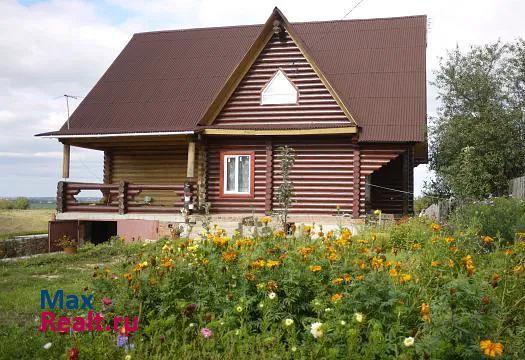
[316, 105]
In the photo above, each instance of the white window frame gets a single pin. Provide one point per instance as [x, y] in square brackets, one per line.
[225, 174]
[279, 98]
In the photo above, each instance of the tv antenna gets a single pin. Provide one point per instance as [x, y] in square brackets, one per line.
[67, 105]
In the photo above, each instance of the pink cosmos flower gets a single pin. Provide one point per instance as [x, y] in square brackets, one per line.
[107, 301]
[206, 333]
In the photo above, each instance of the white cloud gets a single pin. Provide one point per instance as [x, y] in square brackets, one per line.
[61, 46]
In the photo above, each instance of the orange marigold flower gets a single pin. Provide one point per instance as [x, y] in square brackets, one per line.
[336, 297]
[453, 248]
[220, 241]
[449, 240]
[249, 277]
[450, 263]
[393, 272]
[508, 252]
[314, 268]
[332, 256]
[347, 278]
[307, 229]
[435, 227]
[272, 285]
[469, 264]
[361, 264]
[330, 234]
[374, 237]
[337, 281]
[425, 312]
[490, 348]
[435, 263]
[229, 256]
[403, 278]
[128, 276]
[272, 263]
[257, 264]
[279, 233]
[305, 251]
[346, 233]
[167, 263]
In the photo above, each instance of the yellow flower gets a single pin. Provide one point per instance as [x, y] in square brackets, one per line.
[337, 281]
[332, 256]
[220, 241]
[518, 269]
[487, 239]
[167, 247]
[167, 263]
[508, 252]
[361, 264]
[347, 278]
[305, 251]
[435, 263]
[377, 212]
[272, 285]
[417, 246]
[345, 234]
[315, 268]
[469, 264]
[279, 233]
[360, 277]
[425, 312]
[449, 240]
[266, 219]
[307, 229]
[336, 297]
[403, 278]
[491, 349]
[377, 263]
[257, 264]
[272, 263]
[373, 237]
[450, 263]
[435, 227]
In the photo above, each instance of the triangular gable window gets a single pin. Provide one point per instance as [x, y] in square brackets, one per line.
[279, 90]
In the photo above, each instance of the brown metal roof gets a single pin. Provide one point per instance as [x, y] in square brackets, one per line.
[165, 81]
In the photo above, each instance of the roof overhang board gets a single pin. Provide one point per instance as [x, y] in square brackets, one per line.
[251, 56]
[241, 132]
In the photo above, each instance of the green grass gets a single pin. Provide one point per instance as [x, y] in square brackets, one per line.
[23, 222]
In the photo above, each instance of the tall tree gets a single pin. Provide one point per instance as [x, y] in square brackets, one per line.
[477, 139]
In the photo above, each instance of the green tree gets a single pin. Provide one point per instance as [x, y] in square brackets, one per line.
[285, 189]
[477, 139]
[21, 203]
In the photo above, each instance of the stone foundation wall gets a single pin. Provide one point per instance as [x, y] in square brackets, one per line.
[23, 246]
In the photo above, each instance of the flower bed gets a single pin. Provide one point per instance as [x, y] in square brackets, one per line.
[413, 291]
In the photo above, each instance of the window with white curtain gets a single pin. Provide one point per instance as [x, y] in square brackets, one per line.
[237, 174]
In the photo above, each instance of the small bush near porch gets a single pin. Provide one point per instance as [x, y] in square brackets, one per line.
[415, 290]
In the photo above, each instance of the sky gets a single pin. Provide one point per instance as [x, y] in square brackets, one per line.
[55, 47]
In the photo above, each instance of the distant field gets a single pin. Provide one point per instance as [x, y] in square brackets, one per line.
[23, 222]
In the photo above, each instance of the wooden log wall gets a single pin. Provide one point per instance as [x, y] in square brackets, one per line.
[156, 165]
[322, 175]
[315, 105]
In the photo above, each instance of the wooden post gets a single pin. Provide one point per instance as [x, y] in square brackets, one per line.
[122, 197]
[61, 196]
[65, 161]
[269, 177]
[405, 180]
[356, 198]
[190, 172]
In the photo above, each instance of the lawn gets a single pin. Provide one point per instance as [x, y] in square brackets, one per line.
[23, 222]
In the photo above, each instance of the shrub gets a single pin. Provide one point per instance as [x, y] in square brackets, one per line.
[500, 218]
[20, 203]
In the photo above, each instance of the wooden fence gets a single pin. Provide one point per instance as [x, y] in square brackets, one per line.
[517, 188]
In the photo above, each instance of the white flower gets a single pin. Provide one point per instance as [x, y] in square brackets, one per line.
[222, 323]
[293, 348]
[315, 330]
[359, 317]
[127, 357]
[288, 322]
[237, 332]
[261, 305]
[192, 325]
[272, 295]
[409, 341]
[47, 346]
[239, 309]
[327, 310]
[342, 322]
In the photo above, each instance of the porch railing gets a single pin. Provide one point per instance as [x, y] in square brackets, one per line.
[123, 197]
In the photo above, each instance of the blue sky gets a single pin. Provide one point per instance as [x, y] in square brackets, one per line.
[53, 47]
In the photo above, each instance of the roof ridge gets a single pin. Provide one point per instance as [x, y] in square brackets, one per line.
[292, 23]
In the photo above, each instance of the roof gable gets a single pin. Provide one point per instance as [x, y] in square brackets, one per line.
[279, 90]
[281, 63]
